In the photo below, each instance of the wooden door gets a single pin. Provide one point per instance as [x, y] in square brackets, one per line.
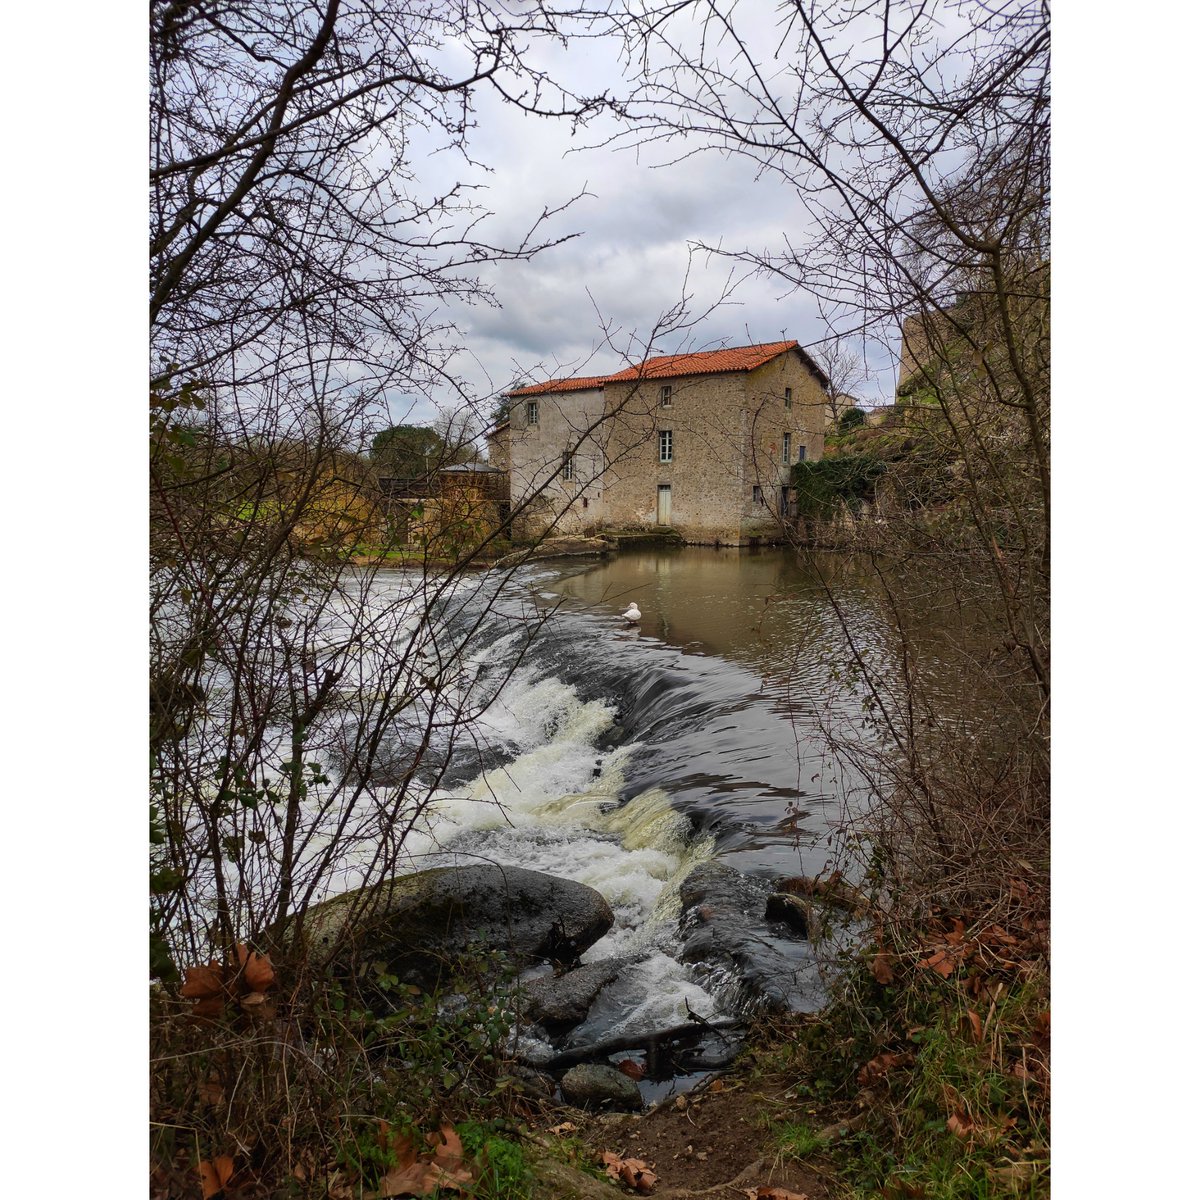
[664, 504]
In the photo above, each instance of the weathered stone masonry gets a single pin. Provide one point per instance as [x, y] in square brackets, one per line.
[706, 458]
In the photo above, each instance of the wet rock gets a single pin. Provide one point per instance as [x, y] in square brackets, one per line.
[597, 1085]
[724, 930]
[417, 923]
[562, 1002]
[789, 909]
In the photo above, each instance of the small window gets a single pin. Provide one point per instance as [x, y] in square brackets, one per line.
[568, 467]
[801, 453]
[664, 396]
[758, 496]
[585, 502]
[531, 412]
[665, 446]
[787, 447]
[787, 397]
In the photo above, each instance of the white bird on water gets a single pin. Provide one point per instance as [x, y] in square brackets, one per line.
[632, 614]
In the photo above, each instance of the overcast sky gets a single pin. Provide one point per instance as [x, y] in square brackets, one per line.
[630, 261]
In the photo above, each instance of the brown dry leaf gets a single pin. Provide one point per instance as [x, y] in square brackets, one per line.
[940, 962]
[253, 999]
[881, 1065]
[960, 1124]
[881, 968]
[447, 1169]
[210, 1006]
[411, 1174]
[774, 1193]
[409, 1179]
[563, 1129]
[202, 983]
[717, 1085]
[211, 1091]
[973, 1026]
[635, 1070]
[215, 1175]
[636, 1173]
[258, 972]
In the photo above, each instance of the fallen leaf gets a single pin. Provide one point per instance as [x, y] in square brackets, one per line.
[940, 962]
[215, 1175]
[211, 1091]
[960, 1124]
[407, 1180]
[633, 1172]
[973, 1026]
[881, 968]
[635, 1070]
[881, 1065]
[774, 1193]
[563, 1129]
[717, 1085]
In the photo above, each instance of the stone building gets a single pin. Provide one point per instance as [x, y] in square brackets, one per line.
[699, 443]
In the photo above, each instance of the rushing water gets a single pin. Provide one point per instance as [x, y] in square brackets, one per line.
[623, 756]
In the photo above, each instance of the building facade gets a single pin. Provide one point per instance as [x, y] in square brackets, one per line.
[699, 443]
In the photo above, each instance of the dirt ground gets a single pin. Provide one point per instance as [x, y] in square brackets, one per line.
[715, 1140]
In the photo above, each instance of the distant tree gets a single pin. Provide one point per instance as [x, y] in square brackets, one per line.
[851, 418]
[406, 451]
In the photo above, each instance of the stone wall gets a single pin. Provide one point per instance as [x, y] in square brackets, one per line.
[544, 499]
[727, 439]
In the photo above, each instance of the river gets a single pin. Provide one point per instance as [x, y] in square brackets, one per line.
[625, 756]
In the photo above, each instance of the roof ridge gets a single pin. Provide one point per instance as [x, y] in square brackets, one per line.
[725, 360]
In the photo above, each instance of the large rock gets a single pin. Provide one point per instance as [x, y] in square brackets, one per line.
[724, 926]
[418, 923]
[561, 1002]
[596, 1085]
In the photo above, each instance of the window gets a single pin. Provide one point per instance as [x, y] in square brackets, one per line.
[801, 453]
[758, 496]
[665, 446]
[568, 467]
[531, 412]
[787, 447]
[664, 396]
[787, 397]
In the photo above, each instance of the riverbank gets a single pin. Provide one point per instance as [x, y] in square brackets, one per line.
[898, 1089]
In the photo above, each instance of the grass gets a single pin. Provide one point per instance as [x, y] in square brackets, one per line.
[939, 1086]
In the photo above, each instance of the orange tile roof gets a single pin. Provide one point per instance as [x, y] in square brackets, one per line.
[707, 362]
[562, 385]
[671, 366]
